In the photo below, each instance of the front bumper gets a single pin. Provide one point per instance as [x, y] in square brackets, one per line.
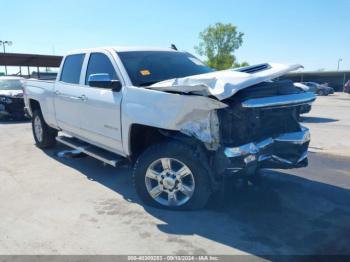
[288, 150]
[3, 112]
[12, 110]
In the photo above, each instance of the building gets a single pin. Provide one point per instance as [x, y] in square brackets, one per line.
[30, 65]
[335, 79]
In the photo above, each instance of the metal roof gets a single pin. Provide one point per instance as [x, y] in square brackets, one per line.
[15, 59]
[320, 72]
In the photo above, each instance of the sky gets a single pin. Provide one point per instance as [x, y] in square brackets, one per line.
[314, 33]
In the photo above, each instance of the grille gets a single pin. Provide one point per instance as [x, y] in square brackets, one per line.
[245, 126]
[239, 125]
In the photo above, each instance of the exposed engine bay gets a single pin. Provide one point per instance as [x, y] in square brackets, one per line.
[240, 125]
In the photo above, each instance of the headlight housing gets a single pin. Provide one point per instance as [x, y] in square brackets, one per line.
[5, 100]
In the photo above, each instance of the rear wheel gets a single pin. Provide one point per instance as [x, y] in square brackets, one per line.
[44, 136]
[170, 175]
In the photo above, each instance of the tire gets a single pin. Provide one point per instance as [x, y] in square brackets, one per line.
[182, 157]
[321, 93]
[47, 137]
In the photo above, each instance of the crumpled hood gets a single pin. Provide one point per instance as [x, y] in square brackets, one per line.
[226, 83]
[11, 93]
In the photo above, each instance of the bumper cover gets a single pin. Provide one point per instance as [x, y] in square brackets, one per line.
[288, 150]
[3, 111]
[15, 110]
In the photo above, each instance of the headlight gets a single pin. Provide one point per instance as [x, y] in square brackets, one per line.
[5, 100]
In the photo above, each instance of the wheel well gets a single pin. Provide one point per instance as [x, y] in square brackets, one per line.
[141, 137]
[34, 105]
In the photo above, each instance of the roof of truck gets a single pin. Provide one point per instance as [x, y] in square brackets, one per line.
[139, 48]
[121, 49]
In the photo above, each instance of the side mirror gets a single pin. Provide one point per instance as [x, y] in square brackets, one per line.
[104, 81]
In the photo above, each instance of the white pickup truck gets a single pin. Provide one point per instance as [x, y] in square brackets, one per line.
[183, 126]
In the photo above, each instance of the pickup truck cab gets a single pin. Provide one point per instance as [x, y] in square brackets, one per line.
[183, 126]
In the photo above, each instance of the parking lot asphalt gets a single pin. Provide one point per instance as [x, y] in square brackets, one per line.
[329, 122]
[53, 205]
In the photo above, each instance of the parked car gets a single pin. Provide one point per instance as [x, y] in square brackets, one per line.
[304, 109]
[11, 97]
[302, 87]
[184, 127]
[331, 89]
[318, 89]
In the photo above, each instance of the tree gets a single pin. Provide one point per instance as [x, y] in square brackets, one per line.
[218, 43]
[235, 65]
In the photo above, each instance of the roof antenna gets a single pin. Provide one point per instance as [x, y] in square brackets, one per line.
[173, 47]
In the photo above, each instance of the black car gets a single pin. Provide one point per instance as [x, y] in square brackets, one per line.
[11, 98]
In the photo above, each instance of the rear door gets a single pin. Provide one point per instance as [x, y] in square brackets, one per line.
[68, 90]
[100, 112]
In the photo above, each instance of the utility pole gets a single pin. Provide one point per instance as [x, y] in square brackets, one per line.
[4, 43]
[339, 60]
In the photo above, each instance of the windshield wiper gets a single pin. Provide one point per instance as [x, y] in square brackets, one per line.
[148, 83]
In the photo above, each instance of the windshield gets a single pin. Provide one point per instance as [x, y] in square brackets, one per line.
[148, 67]
[10, 85]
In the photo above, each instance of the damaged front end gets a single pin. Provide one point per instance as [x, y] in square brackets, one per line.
[260, 129]
[253, 125]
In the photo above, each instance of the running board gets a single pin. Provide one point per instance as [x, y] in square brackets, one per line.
[90, 150]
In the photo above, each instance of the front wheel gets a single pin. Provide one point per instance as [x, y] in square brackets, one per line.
[44, 136]
[170, 175]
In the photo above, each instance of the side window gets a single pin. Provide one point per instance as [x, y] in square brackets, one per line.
[100, 64]
[72, 68]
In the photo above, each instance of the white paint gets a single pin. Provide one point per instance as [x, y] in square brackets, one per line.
[106, 117]
[222, 84]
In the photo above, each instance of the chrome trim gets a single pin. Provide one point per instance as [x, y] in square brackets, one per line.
[169, 186]
[263, 158]
[85, 150]
[295, 138]
[280, 101]
[257, 149]
[282, 160]
[247, 149]
[265, 143]
[303, 156]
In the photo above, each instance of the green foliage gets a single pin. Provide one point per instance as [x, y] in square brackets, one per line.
[235, 65]
[218, 43]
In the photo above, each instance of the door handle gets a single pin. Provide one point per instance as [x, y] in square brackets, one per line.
[83, 98]
[57, 93]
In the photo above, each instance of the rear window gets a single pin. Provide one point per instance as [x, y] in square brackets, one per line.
[72, 69]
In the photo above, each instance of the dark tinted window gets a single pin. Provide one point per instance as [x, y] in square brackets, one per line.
[72, 68]
[148, 67]
[100, 63]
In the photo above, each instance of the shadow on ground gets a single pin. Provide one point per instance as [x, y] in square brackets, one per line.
[11, 122]
[291, 214]
[310, 119]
